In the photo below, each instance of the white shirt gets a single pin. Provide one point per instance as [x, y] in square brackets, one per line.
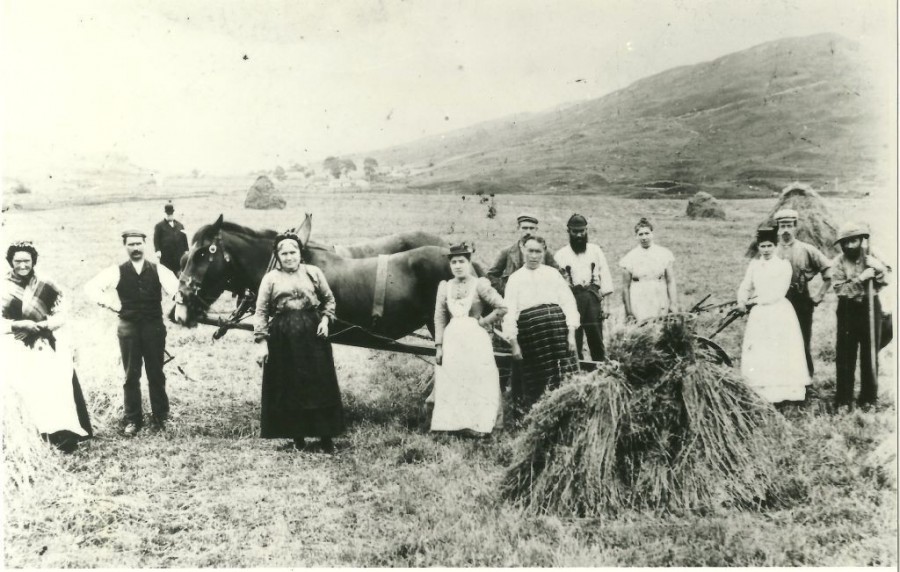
[528, 288]
[101, 289]
[580, 265]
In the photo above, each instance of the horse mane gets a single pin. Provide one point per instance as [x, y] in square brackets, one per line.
[205, 231]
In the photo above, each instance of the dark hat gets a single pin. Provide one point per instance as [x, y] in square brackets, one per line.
[169, 208]
[462, 249]
[766, 234]
[132, 232]
[577, 222]
[851, 230]
[527, 217]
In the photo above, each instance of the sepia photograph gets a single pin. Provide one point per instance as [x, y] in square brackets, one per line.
[408, 283]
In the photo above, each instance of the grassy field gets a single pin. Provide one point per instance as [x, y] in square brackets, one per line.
[209, 492]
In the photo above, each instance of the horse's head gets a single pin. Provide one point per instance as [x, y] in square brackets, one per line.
[204, 276]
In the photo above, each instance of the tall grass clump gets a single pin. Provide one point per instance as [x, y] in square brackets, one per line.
[661, 427]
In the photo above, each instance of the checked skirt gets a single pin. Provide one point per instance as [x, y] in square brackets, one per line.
[546, 358]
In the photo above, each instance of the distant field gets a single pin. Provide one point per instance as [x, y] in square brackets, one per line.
[208, 492]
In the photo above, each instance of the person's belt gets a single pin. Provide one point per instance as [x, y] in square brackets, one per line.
[636, 279]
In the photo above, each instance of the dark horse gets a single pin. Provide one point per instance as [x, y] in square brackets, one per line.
[228, 256]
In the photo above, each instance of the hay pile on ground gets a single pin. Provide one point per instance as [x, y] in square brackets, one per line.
[704, 205]
[27, 459]
[815, 224]
[264, 195]
[665, 429]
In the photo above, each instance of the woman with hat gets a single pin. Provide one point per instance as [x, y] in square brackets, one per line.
[466, 384]
[772, 359]
[39, 366]
[648, 277]
[300, 394]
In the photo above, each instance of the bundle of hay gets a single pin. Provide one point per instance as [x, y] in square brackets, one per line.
[665, 428]
[814, 225]
[27, 459]
[704, 205]
[264, 195]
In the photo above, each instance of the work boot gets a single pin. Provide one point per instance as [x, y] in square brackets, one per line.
[131, 429]
[327, 444]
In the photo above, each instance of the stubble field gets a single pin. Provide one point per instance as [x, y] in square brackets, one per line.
[209, 492]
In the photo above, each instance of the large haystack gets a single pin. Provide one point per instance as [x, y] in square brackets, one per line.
[704, 205]
[814, 225]
[264, 195]
[665, 428]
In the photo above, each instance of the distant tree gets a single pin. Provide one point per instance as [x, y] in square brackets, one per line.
[370, 168]
[333, 166]
[195, 174]
[279, 173]
[298, 167]
[347, 165]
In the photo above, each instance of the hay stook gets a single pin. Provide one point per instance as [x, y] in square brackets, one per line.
[815, 224]
[662, 427]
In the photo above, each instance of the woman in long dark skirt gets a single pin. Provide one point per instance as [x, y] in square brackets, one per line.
[300, 394]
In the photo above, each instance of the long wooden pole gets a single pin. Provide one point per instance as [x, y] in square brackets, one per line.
[870, 294]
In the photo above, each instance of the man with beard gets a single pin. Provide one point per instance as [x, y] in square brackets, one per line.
[134, 290]
[513, 257]
[851, 270]
[806, 262]
[169, 240]
[584, 267]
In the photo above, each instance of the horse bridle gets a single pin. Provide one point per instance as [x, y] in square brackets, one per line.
[195, 284]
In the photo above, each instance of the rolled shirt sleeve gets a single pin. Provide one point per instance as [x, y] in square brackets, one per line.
[101, 289]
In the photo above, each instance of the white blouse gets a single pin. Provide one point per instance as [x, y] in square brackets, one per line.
[528, 288]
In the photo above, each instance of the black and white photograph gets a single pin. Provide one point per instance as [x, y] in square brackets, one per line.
[409, 283]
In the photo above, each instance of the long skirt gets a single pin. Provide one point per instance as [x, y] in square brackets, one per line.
[543, 338]
[467, 385]
[773, 361]
[300, 394]
[45, 380]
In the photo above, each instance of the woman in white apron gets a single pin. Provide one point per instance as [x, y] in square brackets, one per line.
[648, 279]
[467, 384]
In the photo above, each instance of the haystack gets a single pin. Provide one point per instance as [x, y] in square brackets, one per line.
[264, 195]
[704, 205]
[664, 427]
[814, 224]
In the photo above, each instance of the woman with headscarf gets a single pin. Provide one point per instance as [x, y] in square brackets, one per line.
[300, 394]
[648, 277]
[773, 361]
[467, 383]
[38, 366]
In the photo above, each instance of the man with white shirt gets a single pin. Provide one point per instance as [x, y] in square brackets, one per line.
[584, 266]
[540, 323]
[135, 290]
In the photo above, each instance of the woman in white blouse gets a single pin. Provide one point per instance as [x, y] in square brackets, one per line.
[773, 361]
[540, 323]
[648, 279]
[300, 394]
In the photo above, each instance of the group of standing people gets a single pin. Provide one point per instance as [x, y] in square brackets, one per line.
[544, 305]
[776, 359]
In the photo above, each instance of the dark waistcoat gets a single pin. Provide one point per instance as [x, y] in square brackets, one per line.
[140, 294]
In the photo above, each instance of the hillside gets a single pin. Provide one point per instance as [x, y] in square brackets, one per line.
[743, 124]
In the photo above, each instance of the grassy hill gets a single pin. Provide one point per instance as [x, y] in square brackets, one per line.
[744, 124]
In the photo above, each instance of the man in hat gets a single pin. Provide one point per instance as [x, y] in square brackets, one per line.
[135, 291]
[806, 262]
[169, 240]
[513, 257]
[584, 267]
[855, 270]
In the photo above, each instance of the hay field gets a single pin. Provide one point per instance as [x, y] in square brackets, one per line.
[208, 492]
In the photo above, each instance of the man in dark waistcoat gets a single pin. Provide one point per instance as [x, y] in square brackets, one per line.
[169, 240]
[135, 290]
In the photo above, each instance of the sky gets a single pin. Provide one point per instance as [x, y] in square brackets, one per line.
[228, 86]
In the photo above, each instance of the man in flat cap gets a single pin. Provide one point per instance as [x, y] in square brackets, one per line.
[513, 257]
[169, 240]
[135, 291]
[584, 267]
[806, 262]
[853, 271]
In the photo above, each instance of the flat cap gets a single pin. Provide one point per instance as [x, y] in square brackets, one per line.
[851, 230]
[576, 221]
[527, 217]
[132, 232]
[786, 214]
